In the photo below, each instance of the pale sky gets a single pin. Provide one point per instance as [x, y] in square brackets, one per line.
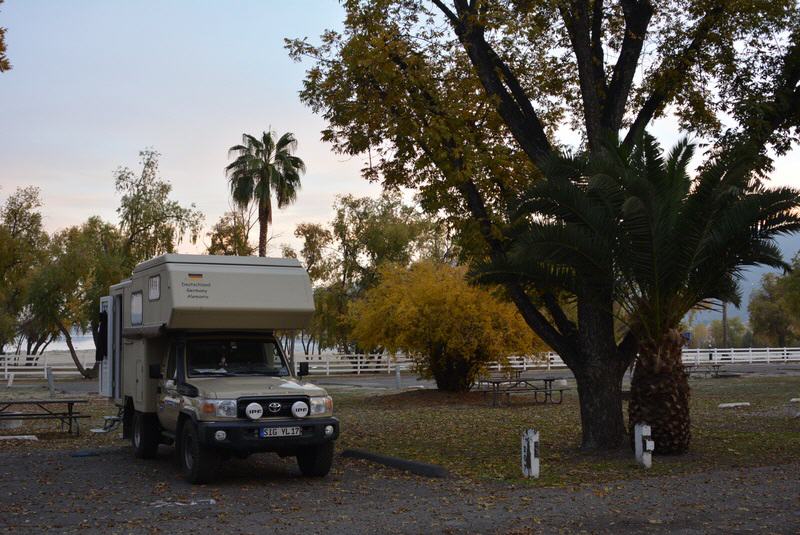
[94, 82]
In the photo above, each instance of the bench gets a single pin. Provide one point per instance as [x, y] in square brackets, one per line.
[707, 370]
[499, 387]
[48, 409]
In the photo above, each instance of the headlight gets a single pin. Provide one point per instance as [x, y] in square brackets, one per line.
[225, 408]
[321, 406]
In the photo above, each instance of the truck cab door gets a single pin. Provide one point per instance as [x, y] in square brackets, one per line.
[169, 401]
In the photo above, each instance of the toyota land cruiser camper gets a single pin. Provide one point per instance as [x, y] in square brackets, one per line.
[192, 360]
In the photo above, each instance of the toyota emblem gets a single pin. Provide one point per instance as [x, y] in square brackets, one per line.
[274, 407]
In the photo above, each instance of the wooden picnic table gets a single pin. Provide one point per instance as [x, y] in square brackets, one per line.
[499, 386]
[49, 408]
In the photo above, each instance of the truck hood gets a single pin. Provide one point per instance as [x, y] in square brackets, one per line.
[236, 387]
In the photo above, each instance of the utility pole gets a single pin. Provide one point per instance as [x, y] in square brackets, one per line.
[724, 324]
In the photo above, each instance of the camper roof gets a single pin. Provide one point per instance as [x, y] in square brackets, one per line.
[216, 260]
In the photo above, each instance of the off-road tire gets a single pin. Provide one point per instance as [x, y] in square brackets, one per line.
[198, 462]
[146, 435]
[315, 461]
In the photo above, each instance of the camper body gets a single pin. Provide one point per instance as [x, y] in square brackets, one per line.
[192, 359]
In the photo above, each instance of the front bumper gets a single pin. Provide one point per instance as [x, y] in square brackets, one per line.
[243, 436]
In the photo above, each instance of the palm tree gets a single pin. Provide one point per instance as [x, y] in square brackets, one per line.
[663, 242]
[261, 167]
[684, 243]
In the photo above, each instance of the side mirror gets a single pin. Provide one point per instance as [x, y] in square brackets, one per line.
[303, 371]
[155, 371]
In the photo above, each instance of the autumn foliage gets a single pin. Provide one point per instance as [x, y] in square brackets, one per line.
[450, 328]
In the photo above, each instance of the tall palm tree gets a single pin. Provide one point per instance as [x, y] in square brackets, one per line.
[662, 241]
[262, 167]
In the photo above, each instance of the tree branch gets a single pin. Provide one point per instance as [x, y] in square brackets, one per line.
[637, 18]
[499, 81]
[670, 76]
[576, 20]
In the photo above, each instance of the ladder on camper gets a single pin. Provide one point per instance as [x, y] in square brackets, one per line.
[109, 423]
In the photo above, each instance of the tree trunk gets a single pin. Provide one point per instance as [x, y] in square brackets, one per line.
[599, 365]
[263, 225]
[660, 394]
[600, 399]
[90, 373]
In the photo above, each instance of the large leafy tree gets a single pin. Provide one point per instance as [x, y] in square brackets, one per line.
[262, 168]
[773, 308]
[670, 241]
[465, 101]
[23, 245]
[64, 296]
[150, 222]
[231, 234]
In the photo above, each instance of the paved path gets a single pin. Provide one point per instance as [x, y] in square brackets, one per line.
[52, 492]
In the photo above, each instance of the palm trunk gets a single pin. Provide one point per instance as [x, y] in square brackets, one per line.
[263, 224]
[660, 394]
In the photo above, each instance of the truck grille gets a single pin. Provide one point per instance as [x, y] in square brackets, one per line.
[268, 404]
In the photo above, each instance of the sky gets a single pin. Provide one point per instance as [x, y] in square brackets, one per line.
[94, 82]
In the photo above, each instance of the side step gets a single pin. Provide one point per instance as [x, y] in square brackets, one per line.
[109, 423]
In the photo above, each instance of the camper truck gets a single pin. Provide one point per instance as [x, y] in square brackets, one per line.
[191, 359]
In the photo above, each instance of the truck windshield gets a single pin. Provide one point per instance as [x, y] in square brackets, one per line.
[234, 357]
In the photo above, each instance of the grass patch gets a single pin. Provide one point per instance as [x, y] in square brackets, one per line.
[471, 439]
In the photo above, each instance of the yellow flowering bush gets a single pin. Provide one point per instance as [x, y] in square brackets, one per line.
[450, 328]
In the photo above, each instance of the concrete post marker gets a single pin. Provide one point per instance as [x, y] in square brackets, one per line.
[530, 453]
[644, 444]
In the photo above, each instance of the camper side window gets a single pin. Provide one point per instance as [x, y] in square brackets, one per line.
[136, 308]
[172, 371]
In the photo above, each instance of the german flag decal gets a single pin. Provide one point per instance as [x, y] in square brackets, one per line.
[195, 275]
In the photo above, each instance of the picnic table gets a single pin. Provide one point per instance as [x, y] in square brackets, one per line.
[508, 386]
[49, 409]
[712, 369]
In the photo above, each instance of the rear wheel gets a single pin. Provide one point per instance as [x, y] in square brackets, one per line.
[146, 435]
[315, 461]
[199, 463]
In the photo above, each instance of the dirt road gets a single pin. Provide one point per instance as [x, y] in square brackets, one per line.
[53, 492]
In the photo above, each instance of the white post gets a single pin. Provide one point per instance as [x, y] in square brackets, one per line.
[10, 380]
[5, 366]
[644, 445]
[48, 372]
[397, 375]
[530, 453]
[767, 355]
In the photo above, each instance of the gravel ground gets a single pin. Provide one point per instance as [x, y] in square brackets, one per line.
[49, 491]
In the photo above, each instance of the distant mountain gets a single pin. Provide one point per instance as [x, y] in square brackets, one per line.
[790, 245]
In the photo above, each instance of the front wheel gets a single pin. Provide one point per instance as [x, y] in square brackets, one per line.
[315, 461]
[199, 463]
[146, 435]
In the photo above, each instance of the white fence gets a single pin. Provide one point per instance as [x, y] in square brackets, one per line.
[35, 366]
[742, 355]
[29, 366]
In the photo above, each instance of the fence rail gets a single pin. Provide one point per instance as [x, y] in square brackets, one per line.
[60, 362]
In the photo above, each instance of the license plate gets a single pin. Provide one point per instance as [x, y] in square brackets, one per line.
[269, 432]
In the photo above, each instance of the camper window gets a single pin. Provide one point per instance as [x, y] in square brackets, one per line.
[154, 288]
[234, 357]
[136, 308]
